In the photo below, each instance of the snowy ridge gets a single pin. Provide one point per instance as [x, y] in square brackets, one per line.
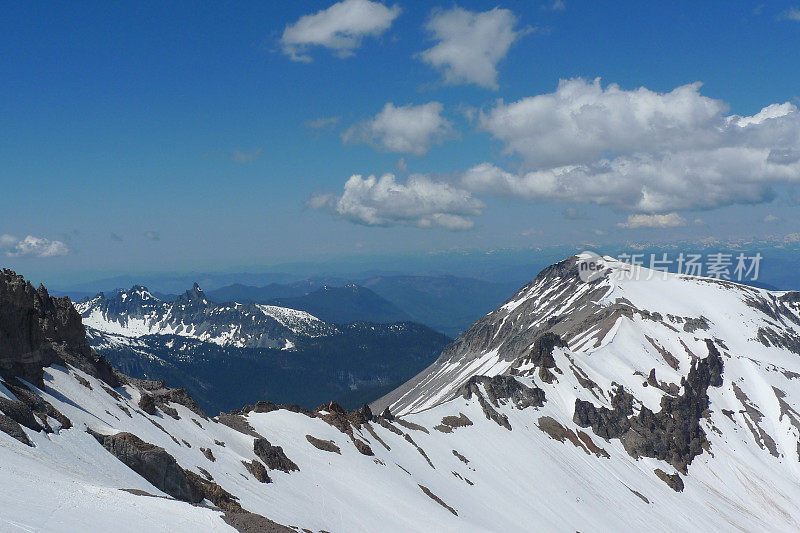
[612, 318]
[135, 313]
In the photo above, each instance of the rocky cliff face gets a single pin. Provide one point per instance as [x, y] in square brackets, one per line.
[37, 330]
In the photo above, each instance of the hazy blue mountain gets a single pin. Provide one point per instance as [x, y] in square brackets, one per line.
[343, 305]
[446, 303]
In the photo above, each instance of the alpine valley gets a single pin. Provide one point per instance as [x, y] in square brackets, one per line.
[637, 400]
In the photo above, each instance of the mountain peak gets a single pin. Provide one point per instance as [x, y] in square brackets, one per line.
[195, 295]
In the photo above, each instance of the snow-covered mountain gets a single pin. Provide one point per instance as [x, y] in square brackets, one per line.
[136, 312]
[230, 354]
[631, 402]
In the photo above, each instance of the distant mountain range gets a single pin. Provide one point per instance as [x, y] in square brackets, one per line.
[448, 304]
[232, 353]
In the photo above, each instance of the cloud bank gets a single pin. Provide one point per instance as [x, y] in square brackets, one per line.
[419, 202]
[32, 246]
[639, 150]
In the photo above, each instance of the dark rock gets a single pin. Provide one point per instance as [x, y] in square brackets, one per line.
[674, 433]
[213, 493]
[459, 421]
[273, 456]
[435, 498]
[542, 350]
[387, 414]
[20, 413]
[247, 522]
[674, 481]
[209, 454]
[12, 428]
[461, 457]
[37, 331]
[236, 422]
[38, 404]
[324, 445]
[363, 447]
[258, 470]
[361, 416]
[693, 324]
[501, 389]
[152, 463]
[147, 404]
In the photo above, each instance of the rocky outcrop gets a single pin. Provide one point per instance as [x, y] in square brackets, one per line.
[162, 396]
[11, 427]
[324, 445]
[501, 389]
[152, 463]
[147, 404]
[673, 481]
[273, 456]
[258, 470]
[674, 433]
[37, 330]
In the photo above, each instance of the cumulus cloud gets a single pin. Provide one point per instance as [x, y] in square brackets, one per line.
[470, 44]
[770, 218]
[419, 202]
[639, 150]
[152, 235]
[405, 129]
[33, 246]
[670, 220]
[340, 28]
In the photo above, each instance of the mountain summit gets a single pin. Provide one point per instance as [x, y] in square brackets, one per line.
[635, 401]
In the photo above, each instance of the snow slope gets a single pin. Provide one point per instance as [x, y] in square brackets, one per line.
[474, 454]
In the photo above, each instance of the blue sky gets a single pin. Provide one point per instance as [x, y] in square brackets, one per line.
[215, 136]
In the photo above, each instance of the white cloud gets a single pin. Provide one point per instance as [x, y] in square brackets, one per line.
[239, 156]
[405, 129]
[670, 220]
[770, 218]
[640, 150]
[792, 14]
[419, 202]
[470, 44]
[322, 123]
[340, 28]
[558, 5]
[581, 121]
[152, 235]
[7, 241]
[35, 246]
